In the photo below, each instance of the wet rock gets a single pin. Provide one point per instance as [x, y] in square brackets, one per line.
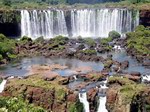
[72, 97]
[111, 96]
[80, 47]
[92, 98]
[146, 63]
[50, 77]
[133, 78]
[135, 73]
[64, 81]
[94, 77]
[91, 94]
[124, 64]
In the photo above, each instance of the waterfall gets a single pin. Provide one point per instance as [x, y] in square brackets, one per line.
[99, 22]
[75, 77]
[102, 98]
[102, 106]
[2, 85]
[82, 22]
[83, 99]
[46, 23]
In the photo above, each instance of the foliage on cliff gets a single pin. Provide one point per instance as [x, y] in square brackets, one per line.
[128, 89]
[52, 96]
[125, 95]
[17, 104]
[7, 47]
[139, 40]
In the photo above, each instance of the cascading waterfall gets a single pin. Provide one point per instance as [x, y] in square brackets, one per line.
[99, 22]
[83, 22]
[2, 85]
[102, 98]
[44, 23]
[83, 99]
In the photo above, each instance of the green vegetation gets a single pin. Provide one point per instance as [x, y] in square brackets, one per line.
[89, 51]
[7, 47]
[59, 40]
[105, 41]
[17, 104]
[76, 107]
[139, 40]
[58, 43]
[89, 41]
[128, 89]
[1, 81]
[42, 4]
[37, 81]
[60, 94]
[114, 35]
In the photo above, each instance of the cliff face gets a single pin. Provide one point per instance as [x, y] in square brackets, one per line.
[10, 23]
[145, 17]
[125, 95]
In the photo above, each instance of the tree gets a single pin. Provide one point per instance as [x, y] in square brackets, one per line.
[7, 2]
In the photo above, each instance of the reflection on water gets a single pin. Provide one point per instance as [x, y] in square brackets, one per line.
[122, 56]
[21, 67]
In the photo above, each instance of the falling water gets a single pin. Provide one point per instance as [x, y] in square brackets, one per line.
[102, 106]
[2, 85]
[102, 98]
[99, 22]
[83, 99]
[83, 22]
[45, 23]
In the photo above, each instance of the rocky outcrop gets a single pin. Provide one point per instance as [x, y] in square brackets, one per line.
[145, 17]
[50, 95]
[125, 95]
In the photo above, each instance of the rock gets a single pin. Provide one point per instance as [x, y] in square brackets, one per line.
[101, 50]
[111, 96]
[133, 78]
[64, 81]
[146, 63]
[124, 64]
[94, 77]
[50, 76]
[80, 47]
[91, 94]
[135, 73]
[72, 97]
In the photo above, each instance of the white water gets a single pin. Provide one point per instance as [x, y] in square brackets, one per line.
[2, 85]
[75, 77]
[45, 23]
[102, 106]
[102, 99]
[146, 78]
[83, 99]
[85, 22]
[98, 23]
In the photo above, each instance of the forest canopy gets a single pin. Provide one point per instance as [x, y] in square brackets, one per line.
[55, 2]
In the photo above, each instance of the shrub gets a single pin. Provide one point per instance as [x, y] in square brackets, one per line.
[140, 28]
[89, 51]
[60, 40]
[25, 38]
[105, 40]
[18, 104]
[89, 41]
[2, 37]
[114, 35]
[1, 57]
[7, 2]
[40, 39]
